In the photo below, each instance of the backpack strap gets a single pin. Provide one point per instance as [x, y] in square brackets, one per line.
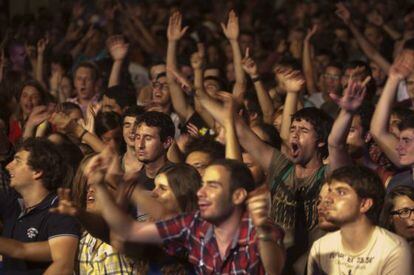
[282, 176]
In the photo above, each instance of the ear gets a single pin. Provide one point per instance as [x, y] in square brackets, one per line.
[167, 143]
[239, 196]
[37, 175]
[366, 205]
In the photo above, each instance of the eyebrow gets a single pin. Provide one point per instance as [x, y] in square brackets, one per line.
[213, 182]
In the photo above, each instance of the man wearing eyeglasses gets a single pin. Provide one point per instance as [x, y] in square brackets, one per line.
[353, 203]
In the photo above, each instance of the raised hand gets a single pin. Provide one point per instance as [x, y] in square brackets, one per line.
[117, 47]
[249, 65]
[175, 30]
[229, 104]
[343, 13]
[375, 18]
[38, 115]
[62, 122]
[31, 51]
[73, 33]
[41, 45]
[292, 80]
[258, 205]
[311, 32]
[66, 206]
[353, 95]
[403, 65]
[231, 30]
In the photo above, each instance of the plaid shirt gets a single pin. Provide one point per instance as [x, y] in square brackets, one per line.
[97, 257]
[189, 234]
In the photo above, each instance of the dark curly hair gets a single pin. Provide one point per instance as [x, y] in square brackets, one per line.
[44, 156]
[160, 120]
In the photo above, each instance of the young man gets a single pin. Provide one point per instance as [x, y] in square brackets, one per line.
[355, 198]
[220, 238]
[85, 79]
[34, 240]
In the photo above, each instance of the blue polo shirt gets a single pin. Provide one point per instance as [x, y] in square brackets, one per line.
[34, 226]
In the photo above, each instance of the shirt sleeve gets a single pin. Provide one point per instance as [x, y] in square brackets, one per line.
[62, 225]
[313, 267]
[175, 233]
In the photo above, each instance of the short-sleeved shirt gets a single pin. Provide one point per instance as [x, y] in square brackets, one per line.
[404, 178]
[293, 199]
[39, 224]
[189, 234]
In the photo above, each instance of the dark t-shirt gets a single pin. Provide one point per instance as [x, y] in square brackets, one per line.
[404, 178]
[37, 225]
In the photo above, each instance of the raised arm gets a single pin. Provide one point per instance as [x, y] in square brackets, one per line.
[118, 49]
[375, 18]
[41, 47]
[350, 102]
[231, 31]
[307, 63]
[174, 33]
[265, 101]
[402, 67]
[368, 49]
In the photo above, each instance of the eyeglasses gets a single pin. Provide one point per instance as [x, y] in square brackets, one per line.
[332, 76]
[403, 213]
[159, 85]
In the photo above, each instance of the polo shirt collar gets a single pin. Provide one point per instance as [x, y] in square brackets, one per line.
[47, 202]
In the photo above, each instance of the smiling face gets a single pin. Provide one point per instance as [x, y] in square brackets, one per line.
[405, 147]
[29, 98]
[164, 194]
[404, 226]
[128, 131]
[303, 142]
[214, 198]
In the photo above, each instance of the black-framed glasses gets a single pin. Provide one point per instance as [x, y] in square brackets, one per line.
[403, 213]
[159, 85]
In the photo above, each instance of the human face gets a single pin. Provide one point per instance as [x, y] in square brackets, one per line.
[405, 147]
[199, 160]
[303, 142]
[344, 206]
[110, 105]
[214, 198]
[91, 204]
[128, 131]
[254, 167]
[21, 173]
[75, 114]
[164, 195]
[357, 77]
[373, 35]
[84, 83]
[30, 98]
[66, 87]
[148, 145]
[332, 79]
[378, 74]
[323, 203]
[156, 70]
[246, 41]
[212, 87]
[230, 72]
[18, 55]
[160, 91]
[403, 226]
[113, 137]
[355, 140]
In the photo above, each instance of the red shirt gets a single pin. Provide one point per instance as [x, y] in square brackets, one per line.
[191, 236]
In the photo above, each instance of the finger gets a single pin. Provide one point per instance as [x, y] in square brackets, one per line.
[335, 97]
[247, 55]
[366, 80]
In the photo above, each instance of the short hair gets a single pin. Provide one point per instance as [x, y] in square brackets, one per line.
[321, 122]
[44, 156]
[407, 123]
[133, 111]
[274, 136]
[63, 59]
[160, 120]
[366, 184]
[106, 121]
[240, 175]
[123, 96]
[67, 107]
[213, 148]
[398, 191]
[44, 96]
[184, 181]
[89, 65]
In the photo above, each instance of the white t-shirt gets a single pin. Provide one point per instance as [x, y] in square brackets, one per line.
[385, 254]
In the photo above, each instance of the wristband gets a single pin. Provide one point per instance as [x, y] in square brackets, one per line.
[255, 79]
[83, 133]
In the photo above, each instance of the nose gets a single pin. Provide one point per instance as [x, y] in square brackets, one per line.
[154, 192]
[201, 192]
[10, 166]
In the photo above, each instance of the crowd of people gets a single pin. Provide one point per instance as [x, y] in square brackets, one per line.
[208, 137]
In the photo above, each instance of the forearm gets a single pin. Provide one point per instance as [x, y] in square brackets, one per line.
[39, 69]
[37, 252]
[115, 73]
[60, 268]
[290, 107]
[272, 255]
[338, 153]
[265, 101]
[237, 60]
[87, 137]
[232, 143]
[308, 68]
[394, 34]
[171, 54]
